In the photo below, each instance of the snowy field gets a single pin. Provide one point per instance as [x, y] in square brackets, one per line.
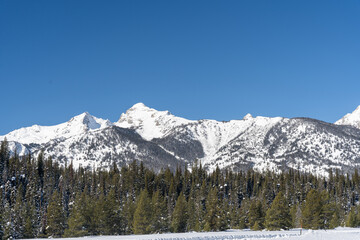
[336, 234]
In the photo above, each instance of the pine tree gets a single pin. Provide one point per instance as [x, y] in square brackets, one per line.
[224, 216]
[55, 216]
[2, 211]
[312, 211]
[234, 217]
[234, 210]
[180, 215]
[352, 220]
[278, 215]
[335, 221]
[91, 213]
[296, 216]
[243, 219]
[256, 216]
[8, 224]
[212, 211]
[28, 228]
[128, 213]
[193, 217]
[160, 220]
[215, 218]
[29, 216]
[4, 161]
[18, 217]
[110, 215]
[358, 216]
[40, 168]
[142, 215]
[257, 226]
[329, 211]
[78, 223]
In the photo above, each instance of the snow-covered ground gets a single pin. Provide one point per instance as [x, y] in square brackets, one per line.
[294, 234]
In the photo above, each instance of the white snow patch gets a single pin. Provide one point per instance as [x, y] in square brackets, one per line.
[294, 234]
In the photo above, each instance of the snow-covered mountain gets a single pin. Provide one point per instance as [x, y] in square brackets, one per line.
[43, 134]
[148, 122]
[351, 119]
[160, 139]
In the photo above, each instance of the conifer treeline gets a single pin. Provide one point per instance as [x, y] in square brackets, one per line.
[39, 198]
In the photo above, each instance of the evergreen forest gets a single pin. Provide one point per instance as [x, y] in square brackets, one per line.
[39, 198]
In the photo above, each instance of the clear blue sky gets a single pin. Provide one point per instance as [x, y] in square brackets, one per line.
[198, 59]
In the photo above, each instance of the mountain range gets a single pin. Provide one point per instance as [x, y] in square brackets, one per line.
[160, 139]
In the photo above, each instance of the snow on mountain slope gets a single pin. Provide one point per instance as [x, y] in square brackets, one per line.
[352, 119]
[148, 122]
[103, 147]
[18, 148]
[300, 143]
[43, 134]
[250, 137]
[211, 135]
[160, 139]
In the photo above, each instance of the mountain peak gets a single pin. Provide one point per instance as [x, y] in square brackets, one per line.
[148, 122]
[357, 109]
[139, 105]
[248, 117]
[352, 119]
[85, 119]
[81, 116]
[41, 134]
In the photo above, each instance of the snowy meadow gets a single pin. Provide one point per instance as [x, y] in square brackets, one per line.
[294, 234]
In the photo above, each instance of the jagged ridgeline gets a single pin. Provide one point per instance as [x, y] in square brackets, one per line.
[41, 198]
[159, 139]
